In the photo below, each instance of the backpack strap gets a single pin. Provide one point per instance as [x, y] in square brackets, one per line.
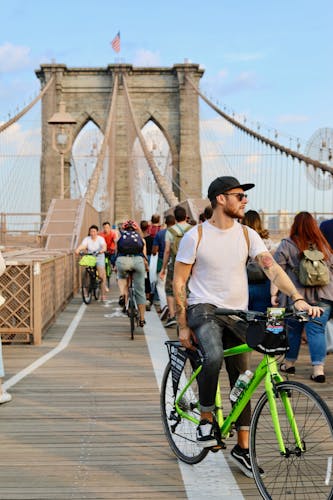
[173, 231]
[198, 243]
[246, 235]
[199, 237]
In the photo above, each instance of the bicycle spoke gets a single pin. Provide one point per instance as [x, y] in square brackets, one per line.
[180, 432]
[305, 473]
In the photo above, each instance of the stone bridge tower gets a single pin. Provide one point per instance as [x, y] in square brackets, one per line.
[159, 94]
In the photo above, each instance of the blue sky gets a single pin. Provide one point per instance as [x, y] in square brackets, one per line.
[271, 61]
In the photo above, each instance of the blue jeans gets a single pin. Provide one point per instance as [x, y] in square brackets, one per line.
[315, 334]
[214, 334]
[133, 263]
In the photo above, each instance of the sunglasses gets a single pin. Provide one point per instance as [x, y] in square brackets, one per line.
[240, 196]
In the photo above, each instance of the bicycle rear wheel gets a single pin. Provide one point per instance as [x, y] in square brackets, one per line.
[298, 474]
[86, 289]
[131, 310]
[180, 432]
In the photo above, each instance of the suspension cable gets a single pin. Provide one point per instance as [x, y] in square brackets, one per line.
[167, 193]
[27, 108]
[94, 179]
[289, 152]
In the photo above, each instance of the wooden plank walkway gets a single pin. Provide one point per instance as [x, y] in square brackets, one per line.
[86, 423]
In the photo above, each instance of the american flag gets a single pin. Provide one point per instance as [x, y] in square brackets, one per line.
[115, 44]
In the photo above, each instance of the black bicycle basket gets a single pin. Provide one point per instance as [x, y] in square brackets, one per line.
[267, 338]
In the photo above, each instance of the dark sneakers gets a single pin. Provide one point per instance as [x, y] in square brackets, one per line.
[171, 322]
[206, 434]
[240, 456]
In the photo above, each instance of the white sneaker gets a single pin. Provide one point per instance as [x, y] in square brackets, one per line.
[5, 397]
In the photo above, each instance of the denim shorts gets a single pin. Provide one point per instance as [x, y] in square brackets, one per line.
[134, 263]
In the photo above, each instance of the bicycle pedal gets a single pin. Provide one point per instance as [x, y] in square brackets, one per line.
[218, 447]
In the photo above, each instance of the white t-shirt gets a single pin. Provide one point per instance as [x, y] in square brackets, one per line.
[219, 274]
[94, 245]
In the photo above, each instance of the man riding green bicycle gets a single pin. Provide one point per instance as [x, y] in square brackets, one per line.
[214, 265]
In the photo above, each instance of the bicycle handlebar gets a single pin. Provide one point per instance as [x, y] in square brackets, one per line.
[89, 253]
[255, 316]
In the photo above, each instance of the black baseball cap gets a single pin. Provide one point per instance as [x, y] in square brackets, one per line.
[223, 184]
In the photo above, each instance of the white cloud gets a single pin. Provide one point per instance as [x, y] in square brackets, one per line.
[146, 58]
[293, 119]
[13, 57]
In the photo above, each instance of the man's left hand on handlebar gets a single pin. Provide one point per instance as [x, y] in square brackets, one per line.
[313, 311]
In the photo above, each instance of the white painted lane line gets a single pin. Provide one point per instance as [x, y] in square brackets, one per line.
[212, 478]
[60, 347]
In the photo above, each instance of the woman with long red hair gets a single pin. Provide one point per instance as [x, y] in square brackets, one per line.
[305, 233]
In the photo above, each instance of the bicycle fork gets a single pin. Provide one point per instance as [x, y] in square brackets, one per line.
[271, 379]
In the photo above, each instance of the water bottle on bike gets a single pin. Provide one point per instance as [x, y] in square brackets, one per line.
[242, 382]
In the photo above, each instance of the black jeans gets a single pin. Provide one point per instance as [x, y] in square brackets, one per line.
[214, 334]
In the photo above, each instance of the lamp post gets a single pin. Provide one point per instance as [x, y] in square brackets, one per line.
[62, 132]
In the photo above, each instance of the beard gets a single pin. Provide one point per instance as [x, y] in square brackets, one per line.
[234, 213]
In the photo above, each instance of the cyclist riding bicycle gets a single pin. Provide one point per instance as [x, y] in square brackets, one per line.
[110, 236]
[215, 266]
[91, 244]
[131, 256]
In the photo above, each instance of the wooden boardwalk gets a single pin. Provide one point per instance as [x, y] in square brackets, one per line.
[85, 424]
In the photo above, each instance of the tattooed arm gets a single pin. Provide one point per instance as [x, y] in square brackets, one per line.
[180, 277]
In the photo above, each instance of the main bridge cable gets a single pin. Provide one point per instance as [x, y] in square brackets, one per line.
[160, 180]
[289, 152]
[95, 176]
[27, 108]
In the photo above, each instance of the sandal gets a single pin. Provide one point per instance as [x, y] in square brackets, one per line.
[320, 379]
[291, 370]
[142, 322]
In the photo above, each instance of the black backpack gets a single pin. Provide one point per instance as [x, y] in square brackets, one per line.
[130, 243]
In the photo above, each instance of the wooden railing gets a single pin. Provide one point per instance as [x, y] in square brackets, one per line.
[36, 288]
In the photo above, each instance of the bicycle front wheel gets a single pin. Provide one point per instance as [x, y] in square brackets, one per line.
[97, 288]
[180, 432]
[299, 473]
[86, 289]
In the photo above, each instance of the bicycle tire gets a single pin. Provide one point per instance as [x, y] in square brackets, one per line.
[180, 432]
[131, 311]
[86, 288]
[97, 287]
[302, 475]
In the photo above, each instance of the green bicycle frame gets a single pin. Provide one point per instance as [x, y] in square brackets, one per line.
[268, 370]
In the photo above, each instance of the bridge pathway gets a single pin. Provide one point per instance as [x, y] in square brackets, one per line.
[85, 424]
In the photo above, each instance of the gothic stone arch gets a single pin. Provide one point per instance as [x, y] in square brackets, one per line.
[162, 93]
